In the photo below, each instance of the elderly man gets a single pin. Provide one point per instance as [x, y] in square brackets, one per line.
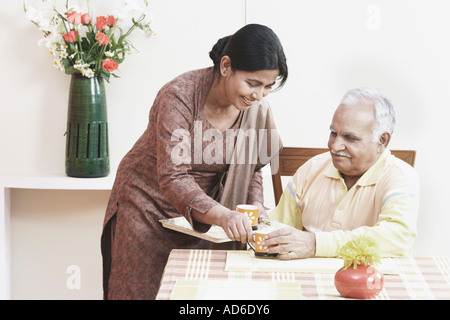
[356, 188]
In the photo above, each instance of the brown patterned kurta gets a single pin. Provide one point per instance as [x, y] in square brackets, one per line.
[152, 185]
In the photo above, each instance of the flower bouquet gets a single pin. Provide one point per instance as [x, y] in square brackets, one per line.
[358, 278]
[86, 45]
[90, 50]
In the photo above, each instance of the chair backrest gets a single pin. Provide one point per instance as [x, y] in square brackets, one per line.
[290, 159]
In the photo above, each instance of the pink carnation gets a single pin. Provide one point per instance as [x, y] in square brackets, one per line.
[109, 65]
[110, 21]
[102, 38]
[74, 17]
[101, 23]
[85, 18]
[71, 36]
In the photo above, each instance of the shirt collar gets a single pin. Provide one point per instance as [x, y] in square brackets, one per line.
[370, 177]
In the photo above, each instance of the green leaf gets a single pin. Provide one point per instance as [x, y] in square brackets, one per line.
[118, 59]
[91, 36]
[85, 44]
[72, 47]
[70, 70]
[66, 63]
[105, 75]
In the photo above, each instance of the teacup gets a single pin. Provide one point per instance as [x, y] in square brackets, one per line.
[252, 213]
[260, 250]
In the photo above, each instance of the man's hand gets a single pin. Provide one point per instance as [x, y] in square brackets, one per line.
[291, 243]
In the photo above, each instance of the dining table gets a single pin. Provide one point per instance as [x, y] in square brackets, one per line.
[194, 274]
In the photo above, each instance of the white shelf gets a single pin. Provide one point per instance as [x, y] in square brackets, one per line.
[42, 182]
[56, 182]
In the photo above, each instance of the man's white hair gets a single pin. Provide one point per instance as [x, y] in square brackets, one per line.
[383, 108]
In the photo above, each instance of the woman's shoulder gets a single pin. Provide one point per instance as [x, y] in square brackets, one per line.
[183, 94]
[190, 79]
[187, 86]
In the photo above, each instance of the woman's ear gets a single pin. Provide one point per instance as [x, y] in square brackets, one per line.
[225, 65]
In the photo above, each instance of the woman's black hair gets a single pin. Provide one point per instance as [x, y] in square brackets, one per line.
[253, 47]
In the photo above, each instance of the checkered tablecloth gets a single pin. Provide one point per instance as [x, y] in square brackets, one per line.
[200, 274]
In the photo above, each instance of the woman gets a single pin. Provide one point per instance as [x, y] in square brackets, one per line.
[175, 169]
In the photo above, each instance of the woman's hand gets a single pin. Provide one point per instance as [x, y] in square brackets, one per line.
[237, 226]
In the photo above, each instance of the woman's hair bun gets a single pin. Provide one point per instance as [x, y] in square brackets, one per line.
[253, 47]
[217, 51]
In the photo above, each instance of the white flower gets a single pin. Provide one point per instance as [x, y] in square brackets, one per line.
[56, 20]
[57, 64]
[135, 9]
[52, 38]
[88, 73]
[109, 54]
[53, 51]
[132, 8]
[41, 14]
[79, 65]
[132, 51]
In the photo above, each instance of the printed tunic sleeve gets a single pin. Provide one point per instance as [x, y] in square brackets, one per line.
[175, 120]
[255, 190]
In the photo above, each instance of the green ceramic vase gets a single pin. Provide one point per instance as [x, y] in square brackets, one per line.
[87, 151]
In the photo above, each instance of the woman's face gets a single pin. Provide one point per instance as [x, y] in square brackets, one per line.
[244, 88]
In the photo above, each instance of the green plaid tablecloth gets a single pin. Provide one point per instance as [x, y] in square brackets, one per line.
[200, 274]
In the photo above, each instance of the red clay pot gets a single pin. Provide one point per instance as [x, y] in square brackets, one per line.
[364, 282]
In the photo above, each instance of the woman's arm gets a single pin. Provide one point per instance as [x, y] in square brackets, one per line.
[256, 194]
[174, 123]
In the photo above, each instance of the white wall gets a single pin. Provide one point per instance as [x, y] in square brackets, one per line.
[401, 47]
[398, 46]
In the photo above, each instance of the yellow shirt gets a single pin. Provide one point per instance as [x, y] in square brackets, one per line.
[383, 204]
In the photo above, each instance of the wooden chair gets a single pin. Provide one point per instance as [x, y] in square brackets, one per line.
[290, 159]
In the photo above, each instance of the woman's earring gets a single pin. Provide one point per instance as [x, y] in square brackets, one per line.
[224, 72]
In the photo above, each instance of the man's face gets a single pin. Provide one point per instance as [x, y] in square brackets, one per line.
[350, 142]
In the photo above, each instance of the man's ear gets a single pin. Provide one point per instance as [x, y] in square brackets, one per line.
[384, 141]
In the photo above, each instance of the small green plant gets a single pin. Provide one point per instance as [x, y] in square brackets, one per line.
[360, 250]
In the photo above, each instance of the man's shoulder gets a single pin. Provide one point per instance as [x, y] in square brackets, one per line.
[397, 169]
[400, 166]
